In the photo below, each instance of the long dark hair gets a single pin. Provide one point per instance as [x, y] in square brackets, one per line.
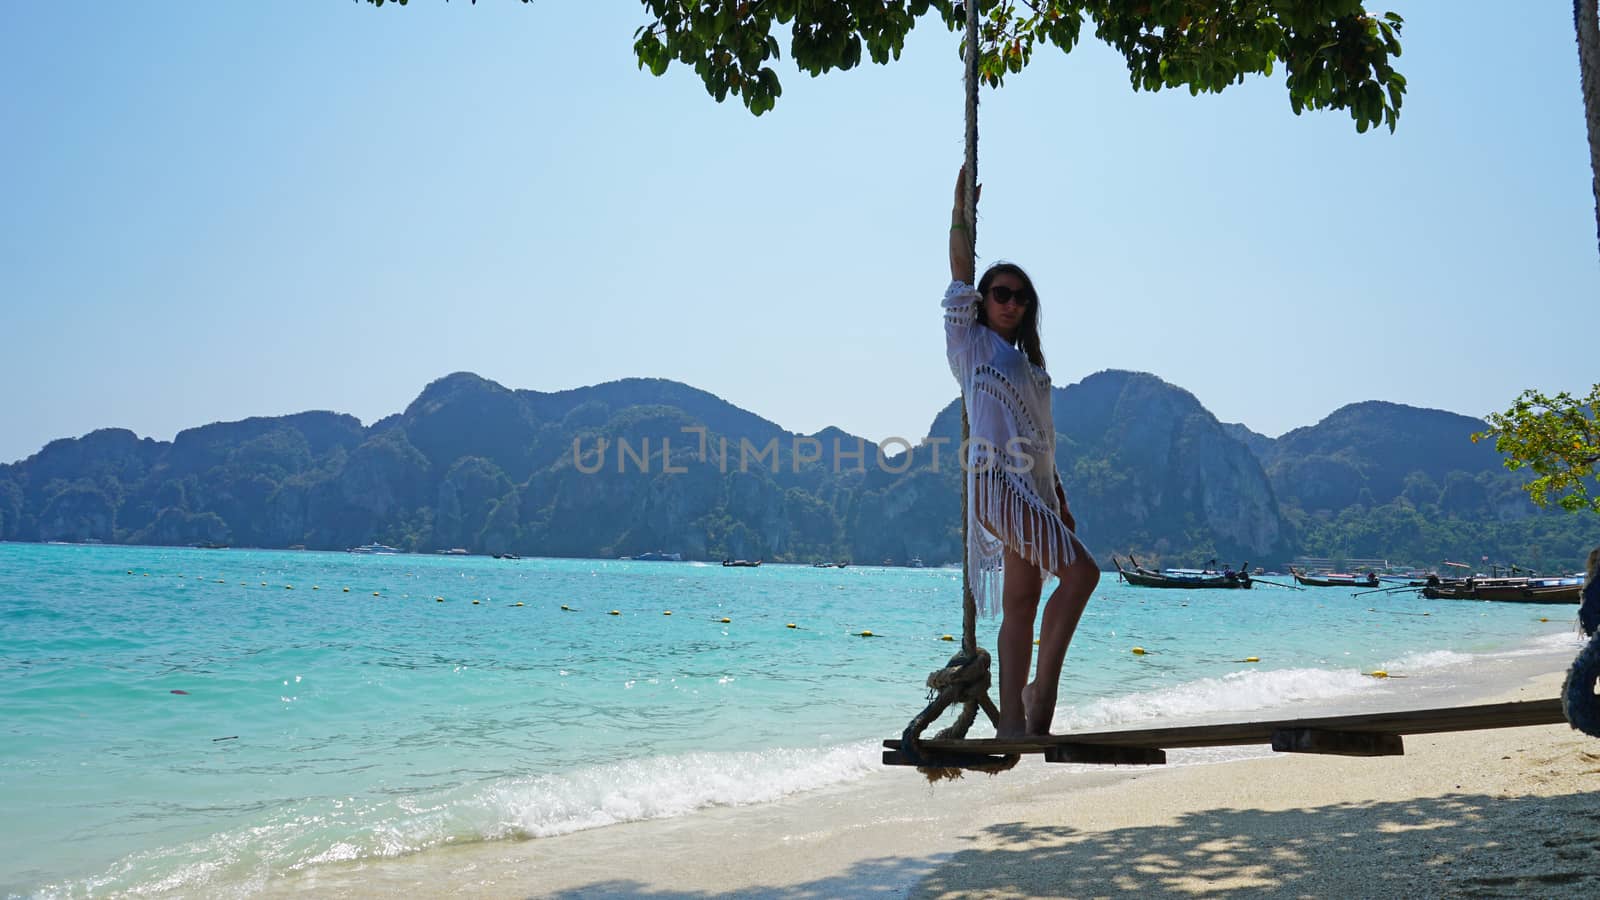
[1028, 331]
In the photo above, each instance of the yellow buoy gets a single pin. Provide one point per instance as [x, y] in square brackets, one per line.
[475, 603]
[948, 637]
[791, 625]
[1378, 673]
[1251, 659]
[566, 607]
[1138, 651]
[1542, 619]
[315, 588]
[866, 634]
[615, 613]
[519, 603]
[288, 587]
[438, 599]
[726, 620]
[263, 584]
[1036, 642]
[347, 590]
[666, 612]
[375, 593]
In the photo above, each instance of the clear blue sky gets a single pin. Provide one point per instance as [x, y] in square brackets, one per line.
[212, 211]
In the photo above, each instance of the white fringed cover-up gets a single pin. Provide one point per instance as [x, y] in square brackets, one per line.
[1010, 459]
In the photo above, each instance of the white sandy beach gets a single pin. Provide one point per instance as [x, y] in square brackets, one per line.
[1510, 812]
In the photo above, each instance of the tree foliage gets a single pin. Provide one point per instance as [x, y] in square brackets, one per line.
[1337, 55]
[1558, 438]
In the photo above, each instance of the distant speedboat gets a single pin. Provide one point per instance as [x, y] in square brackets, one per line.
[374, 548]
[741, 563]
[915, 563]
[659, 556]
[1414, 580]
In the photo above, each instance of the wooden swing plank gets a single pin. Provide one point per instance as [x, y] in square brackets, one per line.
[1337, 743]
[945, 759]
[1517, 714]
[1105, 755]
[1087, 754]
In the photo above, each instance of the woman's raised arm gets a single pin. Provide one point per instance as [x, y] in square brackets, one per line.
[962, 267]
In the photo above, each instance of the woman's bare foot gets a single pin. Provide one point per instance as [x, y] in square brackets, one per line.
[1008, 729]
[1040, 710]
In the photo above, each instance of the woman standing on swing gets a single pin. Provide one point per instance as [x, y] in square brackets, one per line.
[1019, 529]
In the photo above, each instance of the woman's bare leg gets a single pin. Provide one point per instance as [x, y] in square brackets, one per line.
[1028, 708]
[1061, 614]
[1019, 606]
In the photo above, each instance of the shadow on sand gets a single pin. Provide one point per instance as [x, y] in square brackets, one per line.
[1462, 845]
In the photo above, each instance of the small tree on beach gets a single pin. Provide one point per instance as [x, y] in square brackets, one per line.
[1558, 438]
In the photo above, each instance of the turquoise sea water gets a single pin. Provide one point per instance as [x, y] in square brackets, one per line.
[206, 721]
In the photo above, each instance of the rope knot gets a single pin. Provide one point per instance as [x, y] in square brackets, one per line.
[967, 676]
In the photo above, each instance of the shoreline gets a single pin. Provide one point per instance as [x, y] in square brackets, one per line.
[1512, 810]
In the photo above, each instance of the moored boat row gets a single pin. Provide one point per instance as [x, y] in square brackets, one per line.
[1516, 589]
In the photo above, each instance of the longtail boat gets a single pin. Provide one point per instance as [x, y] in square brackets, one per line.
[1335, 579]
[1507, 590]
[1139, 575]
[1451, 589]
[1552, 593]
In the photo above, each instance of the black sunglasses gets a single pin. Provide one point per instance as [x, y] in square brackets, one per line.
[1003, 294]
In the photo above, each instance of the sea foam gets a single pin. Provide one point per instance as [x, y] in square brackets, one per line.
[314, 833]
[1235, 692]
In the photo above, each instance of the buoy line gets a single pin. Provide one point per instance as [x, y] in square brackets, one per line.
[439, 599]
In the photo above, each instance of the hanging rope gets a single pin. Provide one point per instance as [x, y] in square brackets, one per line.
[965, 678]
